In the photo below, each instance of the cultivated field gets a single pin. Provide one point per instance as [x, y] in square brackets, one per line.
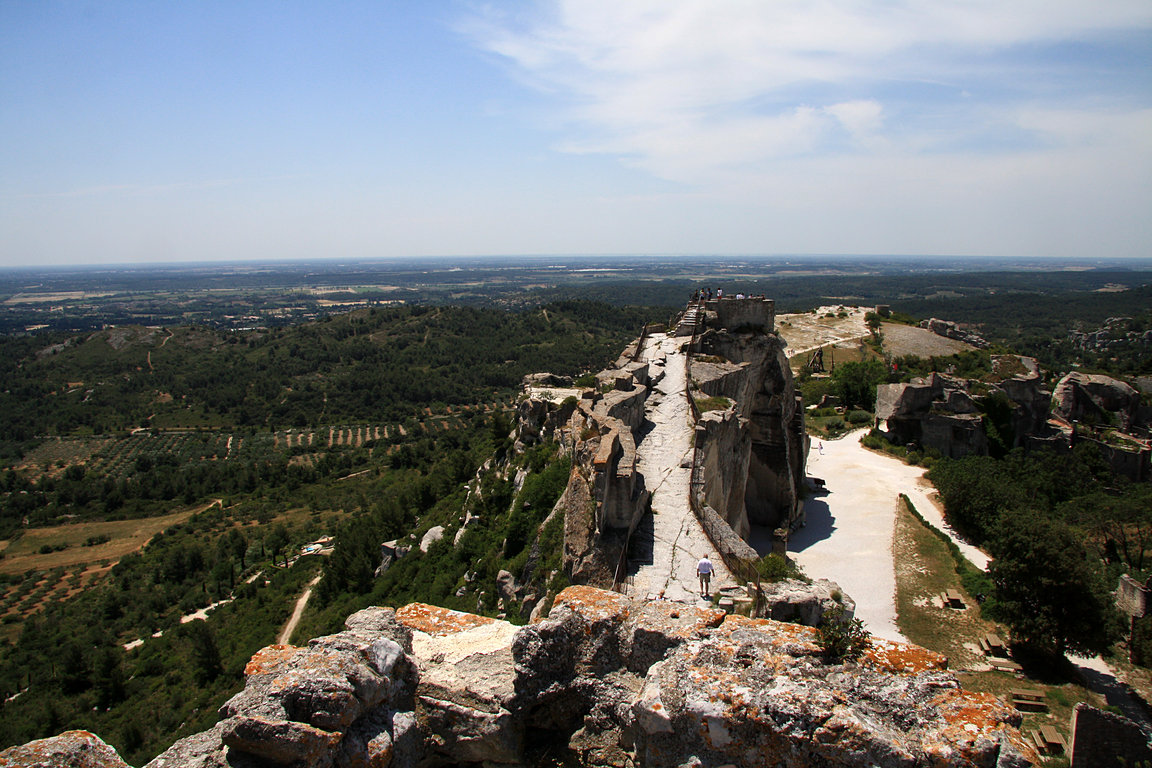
[24, 553]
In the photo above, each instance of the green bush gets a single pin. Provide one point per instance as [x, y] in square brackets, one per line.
[859, 417]
[706, 404]
[841, 639]
[778, 568]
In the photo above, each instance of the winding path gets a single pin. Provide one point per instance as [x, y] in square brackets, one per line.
[848, 535]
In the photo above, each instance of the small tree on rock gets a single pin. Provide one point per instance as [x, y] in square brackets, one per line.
[841, 639]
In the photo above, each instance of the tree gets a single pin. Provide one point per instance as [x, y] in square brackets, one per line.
[206, 662]
[1051, 593]
[975, 489]
[277, 540]
[1119, 524]
[873, 320]
[856, 382]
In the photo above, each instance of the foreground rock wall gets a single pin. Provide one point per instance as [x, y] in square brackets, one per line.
[602, 681]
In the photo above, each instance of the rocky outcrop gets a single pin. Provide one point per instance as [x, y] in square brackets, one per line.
[1096, 399]
[934, 412]
[750, 456]
[606, 496]
[753, 457]
[71, 749]
[953, 331]
[602, 681]
[805, 603]
[1020, 380]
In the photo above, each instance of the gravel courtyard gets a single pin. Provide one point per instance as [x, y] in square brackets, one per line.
[848, 534]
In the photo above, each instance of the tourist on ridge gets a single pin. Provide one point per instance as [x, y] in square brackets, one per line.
[704, 572]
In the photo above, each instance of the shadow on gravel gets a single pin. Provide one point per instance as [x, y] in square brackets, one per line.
[819, 526]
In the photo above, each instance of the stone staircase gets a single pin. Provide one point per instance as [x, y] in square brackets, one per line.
[691, 322]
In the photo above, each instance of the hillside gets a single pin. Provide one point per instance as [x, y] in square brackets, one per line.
[153, 472]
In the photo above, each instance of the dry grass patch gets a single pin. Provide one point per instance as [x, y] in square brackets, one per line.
[124, 536]
[902, 340]
[924, 568]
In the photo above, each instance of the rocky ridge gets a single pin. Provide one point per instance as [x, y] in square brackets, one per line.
[603, 680]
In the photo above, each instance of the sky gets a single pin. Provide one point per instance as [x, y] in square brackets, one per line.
[137, 132]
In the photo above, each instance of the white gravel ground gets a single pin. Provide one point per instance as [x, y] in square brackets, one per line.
[848, 535]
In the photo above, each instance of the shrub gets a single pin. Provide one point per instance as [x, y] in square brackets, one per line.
[777, 568]
[859, 417]
[712, 404]
[841, 639]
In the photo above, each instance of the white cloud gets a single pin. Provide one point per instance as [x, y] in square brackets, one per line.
[947, 108]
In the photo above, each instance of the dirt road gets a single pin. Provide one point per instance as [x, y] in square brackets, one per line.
[286, 633]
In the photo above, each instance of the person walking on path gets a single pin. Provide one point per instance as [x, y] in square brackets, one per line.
[704, 572]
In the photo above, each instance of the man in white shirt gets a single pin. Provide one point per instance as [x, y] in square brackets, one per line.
[704, 571]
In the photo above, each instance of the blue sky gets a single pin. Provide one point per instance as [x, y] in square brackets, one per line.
[176, 131]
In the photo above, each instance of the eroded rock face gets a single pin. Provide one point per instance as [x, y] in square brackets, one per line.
[305, 706]
[753, 460]
[935, 412]
[953, 331]
[1096, 398]
[602, 681]
[71, 749]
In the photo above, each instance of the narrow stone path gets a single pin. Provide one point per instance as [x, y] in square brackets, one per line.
[668, 545]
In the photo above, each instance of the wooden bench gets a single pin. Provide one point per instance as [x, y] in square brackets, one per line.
[992, 645]
[1048, 741]
[952, 599]
[1029, 700]
[1003, 665]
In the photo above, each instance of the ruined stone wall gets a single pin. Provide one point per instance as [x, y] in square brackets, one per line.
[723, 451]
[744, 314]
[1102, 740]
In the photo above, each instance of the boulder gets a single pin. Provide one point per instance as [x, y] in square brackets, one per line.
[1096, 398]
[466, 684]
[201, 750]
[71, 749]
[802, 602]
[741, 696]
[507, 587]
[431, 536]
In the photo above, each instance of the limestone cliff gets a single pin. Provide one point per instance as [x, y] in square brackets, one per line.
[949, 414]
[753, 454]
[749, 454]
[602, 681]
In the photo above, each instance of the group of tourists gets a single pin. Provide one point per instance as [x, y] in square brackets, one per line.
[705, 294]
